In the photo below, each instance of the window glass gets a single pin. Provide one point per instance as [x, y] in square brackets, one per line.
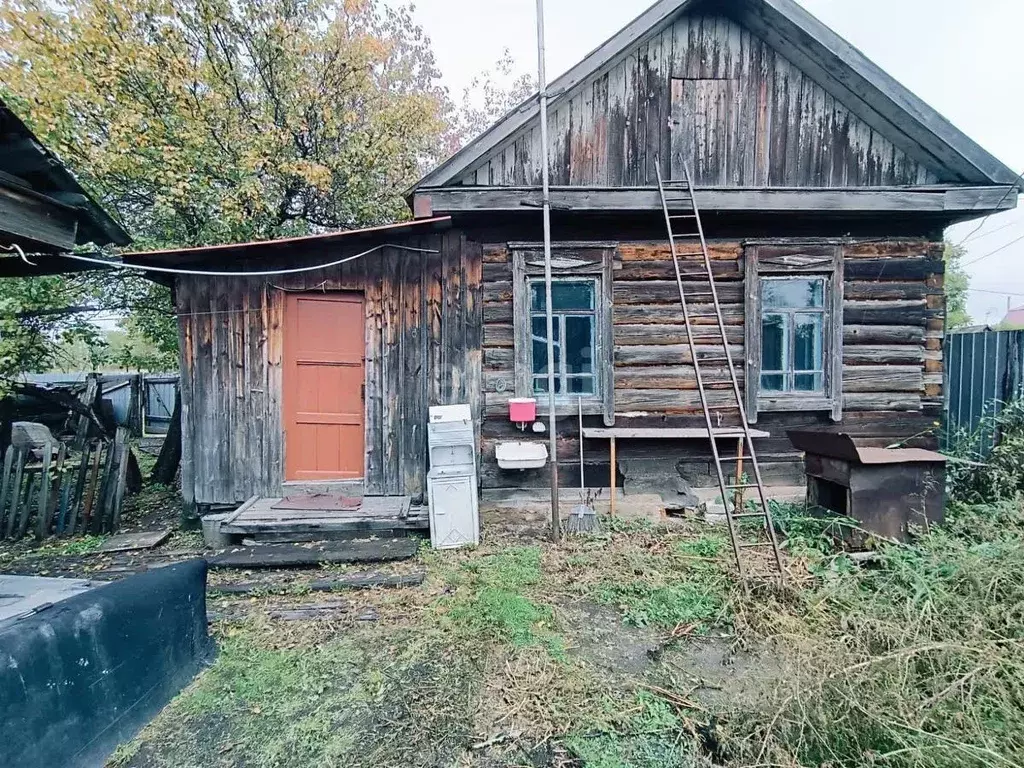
[773, 343]
[565, 295]
[574, 318]
[540, 345]
[793, 334]
[807, 342]
[579, 344]
[793, 293]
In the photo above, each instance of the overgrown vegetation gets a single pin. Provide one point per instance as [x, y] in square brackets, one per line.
[979, 478]
[916, 662]
[635, 647]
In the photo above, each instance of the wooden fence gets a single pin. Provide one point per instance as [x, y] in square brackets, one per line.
[69, 490]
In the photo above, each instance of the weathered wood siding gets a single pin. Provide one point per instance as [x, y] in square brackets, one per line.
[422, 349]
[892, 356]
[706, 91]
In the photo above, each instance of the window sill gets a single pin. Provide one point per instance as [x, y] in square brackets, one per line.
[592, 406]
[794, 402]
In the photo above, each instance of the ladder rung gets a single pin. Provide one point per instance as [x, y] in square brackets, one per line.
[683, 216]
[713, 360]
[740, 487]
[755, 544]
[739, 515]
[686, 235]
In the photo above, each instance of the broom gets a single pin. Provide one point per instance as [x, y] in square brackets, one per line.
[583, 518]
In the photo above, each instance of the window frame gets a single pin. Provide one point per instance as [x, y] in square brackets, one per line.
[795, 260]
[559, 316]
[788, 372]
[570, 261]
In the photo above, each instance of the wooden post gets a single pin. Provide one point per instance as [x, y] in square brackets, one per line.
[612, 483]
[737, 501]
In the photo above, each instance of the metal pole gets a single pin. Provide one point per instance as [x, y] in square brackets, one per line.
[542, 87]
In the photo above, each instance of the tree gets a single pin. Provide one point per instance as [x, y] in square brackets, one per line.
[209, 121]
[957, 284]
[206, 121]
[489, 96]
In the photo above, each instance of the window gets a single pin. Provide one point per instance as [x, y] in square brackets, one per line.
[793, 334]
[581, 308]
[574, 310]
[794, 317]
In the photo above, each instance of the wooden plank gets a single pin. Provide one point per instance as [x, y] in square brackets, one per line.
[43, 519]
[296, 556]
[94, 512]
[893, 268]
[7, 483]
[127, 542]
[25, 508]
[338, 584]
[883, 378]
[657, 355]
[882, 334]
[122, 473]
[877, 354]
[973, 200]
[667, 433]
[75, 499]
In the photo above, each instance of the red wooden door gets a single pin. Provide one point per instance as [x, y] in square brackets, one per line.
[323, 375]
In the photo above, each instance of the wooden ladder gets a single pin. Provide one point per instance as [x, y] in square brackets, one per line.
[745, 444]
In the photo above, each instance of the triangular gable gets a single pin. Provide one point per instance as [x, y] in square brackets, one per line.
[689, 72]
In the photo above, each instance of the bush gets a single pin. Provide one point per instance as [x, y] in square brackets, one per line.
[1000, 476]
[915, 663]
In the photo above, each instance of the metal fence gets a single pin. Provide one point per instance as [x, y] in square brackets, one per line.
[157, 396]
[983, 373]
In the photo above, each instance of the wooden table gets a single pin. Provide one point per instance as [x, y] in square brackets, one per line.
[660, 433]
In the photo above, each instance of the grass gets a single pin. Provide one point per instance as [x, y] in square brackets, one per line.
[913, 661]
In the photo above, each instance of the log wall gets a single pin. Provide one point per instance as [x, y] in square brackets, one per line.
[422, 349]
[892, 356]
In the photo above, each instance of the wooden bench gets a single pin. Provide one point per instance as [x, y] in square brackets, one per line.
[659, 433]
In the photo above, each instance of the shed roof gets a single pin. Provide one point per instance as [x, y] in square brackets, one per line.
[29, 170]
[840, 68]
[259, 247]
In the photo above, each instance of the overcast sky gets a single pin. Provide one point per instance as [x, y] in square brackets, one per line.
[962, 58]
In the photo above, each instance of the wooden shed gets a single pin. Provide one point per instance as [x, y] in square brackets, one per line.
[825, 188]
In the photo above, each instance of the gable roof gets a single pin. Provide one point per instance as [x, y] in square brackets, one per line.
[869, 92]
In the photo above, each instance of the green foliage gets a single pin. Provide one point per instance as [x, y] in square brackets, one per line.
[32, 336]
[706, 546]
[1001, 474]
[489, 603]
[803, 533]
[957, 284]
[650, 739]
[914, 663]
[644, 605]
[205, 121]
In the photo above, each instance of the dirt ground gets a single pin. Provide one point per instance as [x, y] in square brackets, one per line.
[613, 649]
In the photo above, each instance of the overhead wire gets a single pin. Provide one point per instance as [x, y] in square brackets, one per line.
[258, 273]
[1000, 249]
[1010, 190]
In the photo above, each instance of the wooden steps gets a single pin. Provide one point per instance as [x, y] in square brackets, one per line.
[311, 556]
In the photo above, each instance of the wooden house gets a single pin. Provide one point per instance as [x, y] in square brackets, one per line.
[824, 186]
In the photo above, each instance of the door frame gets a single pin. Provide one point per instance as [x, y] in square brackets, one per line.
[291, 297]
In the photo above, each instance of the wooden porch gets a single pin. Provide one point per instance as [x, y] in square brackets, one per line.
[324, 516]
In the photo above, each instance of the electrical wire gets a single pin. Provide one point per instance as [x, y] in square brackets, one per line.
[1009, 191]
[1000, 249]
[983, 235]
[263, 273]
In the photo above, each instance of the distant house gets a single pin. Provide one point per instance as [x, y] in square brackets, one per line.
[43, 209]
[1014, 319]
[824, 186]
